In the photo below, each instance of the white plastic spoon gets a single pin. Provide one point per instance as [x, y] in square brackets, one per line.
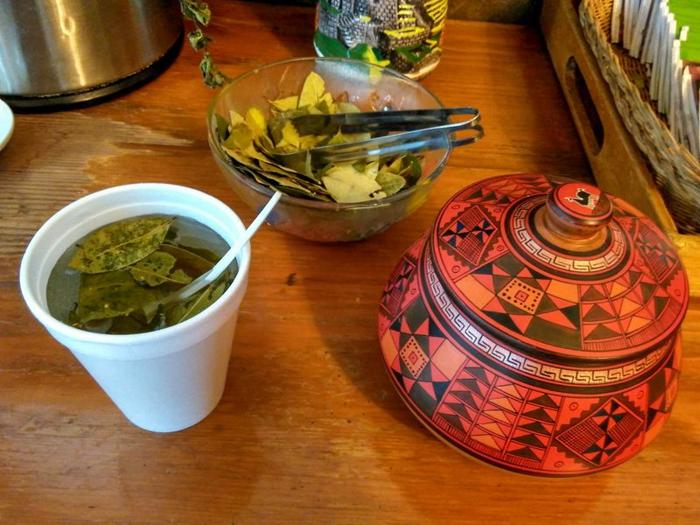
[209, 277]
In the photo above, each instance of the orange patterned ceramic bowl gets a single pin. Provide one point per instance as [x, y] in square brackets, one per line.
[536, 326]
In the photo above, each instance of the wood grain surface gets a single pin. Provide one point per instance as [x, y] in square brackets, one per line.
[309, 429]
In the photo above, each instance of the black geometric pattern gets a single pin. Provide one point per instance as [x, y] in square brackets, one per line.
[396, 287]
[658, 254]
[417, 335]
[602, 434]
[469, 234]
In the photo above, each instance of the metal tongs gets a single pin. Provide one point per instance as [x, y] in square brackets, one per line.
[419, 130]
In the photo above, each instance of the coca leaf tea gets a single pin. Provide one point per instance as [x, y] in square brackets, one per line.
[111, 280]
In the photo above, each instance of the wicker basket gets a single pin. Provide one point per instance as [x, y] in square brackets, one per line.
[675, 169]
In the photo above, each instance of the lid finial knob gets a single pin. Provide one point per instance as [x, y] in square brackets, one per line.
[575, 216]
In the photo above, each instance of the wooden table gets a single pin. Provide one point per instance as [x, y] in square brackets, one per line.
[309, 429]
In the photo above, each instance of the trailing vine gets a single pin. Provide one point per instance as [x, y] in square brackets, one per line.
[200, 15]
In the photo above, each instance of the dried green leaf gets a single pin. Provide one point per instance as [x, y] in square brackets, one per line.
[311, 141]
[321, 108]
[254, 146]
[286, 103]
[357, 137]
[240, 157]
[194, 262]
[128, 324]
[412, 169]
[96, 326]
[200, 302]
[390, 182]
[346, 184]
[312, 90]
[327, 102]
[221, 127]
[272, 167]
[256, 122]
[235, 118]
[111, 294]
[371, 169]
[179, 276]
[347, 107]
[290, 137]
[156, 269]
[393, 165]
[338, 138]
[295, 183]
[264, 144]
[275, 126]
[240, 137]
[120, 244]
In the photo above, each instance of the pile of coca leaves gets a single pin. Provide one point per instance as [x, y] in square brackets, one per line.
[254, 143]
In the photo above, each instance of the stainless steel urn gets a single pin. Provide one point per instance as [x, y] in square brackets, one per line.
[55, 52]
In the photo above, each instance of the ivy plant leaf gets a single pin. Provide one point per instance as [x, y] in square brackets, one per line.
[313, 89]
[121, 244]
[111, 294]
[211, 75]
[196, 11]
[156, 269]
[198, 40]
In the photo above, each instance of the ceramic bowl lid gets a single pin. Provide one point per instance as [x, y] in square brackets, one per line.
[561, 269]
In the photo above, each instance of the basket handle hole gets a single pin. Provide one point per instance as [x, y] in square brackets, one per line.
[591, 127]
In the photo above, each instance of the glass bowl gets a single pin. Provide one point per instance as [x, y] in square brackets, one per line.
[370, 87]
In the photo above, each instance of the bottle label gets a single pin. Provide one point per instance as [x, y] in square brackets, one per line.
[401, 34]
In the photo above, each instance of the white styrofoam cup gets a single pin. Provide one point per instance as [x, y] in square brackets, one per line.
[165, 380]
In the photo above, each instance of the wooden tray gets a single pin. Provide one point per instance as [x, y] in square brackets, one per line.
[617, 164]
